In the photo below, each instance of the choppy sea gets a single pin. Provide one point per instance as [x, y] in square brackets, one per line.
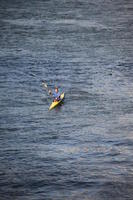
[83, 149]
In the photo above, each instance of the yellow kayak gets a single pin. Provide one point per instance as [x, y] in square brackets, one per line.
[56, 103]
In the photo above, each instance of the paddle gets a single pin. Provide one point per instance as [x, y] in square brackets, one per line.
[43, 83]
[46, 87]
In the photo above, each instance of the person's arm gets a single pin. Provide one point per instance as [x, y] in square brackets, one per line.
[53, 94]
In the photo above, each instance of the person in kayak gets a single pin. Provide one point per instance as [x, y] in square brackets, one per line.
[56, 94]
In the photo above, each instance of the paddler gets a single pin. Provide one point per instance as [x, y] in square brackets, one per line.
[56, 94]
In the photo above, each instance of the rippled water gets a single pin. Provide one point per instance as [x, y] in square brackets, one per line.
[84, 148]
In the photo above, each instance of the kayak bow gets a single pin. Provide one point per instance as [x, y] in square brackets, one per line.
[56, 103]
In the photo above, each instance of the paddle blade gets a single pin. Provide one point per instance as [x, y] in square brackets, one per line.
[45, 85]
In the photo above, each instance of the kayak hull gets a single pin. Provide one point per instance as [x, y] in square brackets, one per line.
[56, 103]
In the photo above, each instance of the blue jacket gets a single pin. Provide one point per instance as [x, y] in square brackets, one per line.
[56, 95]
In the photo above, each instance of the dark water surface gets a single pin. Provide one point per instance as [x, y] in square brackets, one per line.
[84, 148]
